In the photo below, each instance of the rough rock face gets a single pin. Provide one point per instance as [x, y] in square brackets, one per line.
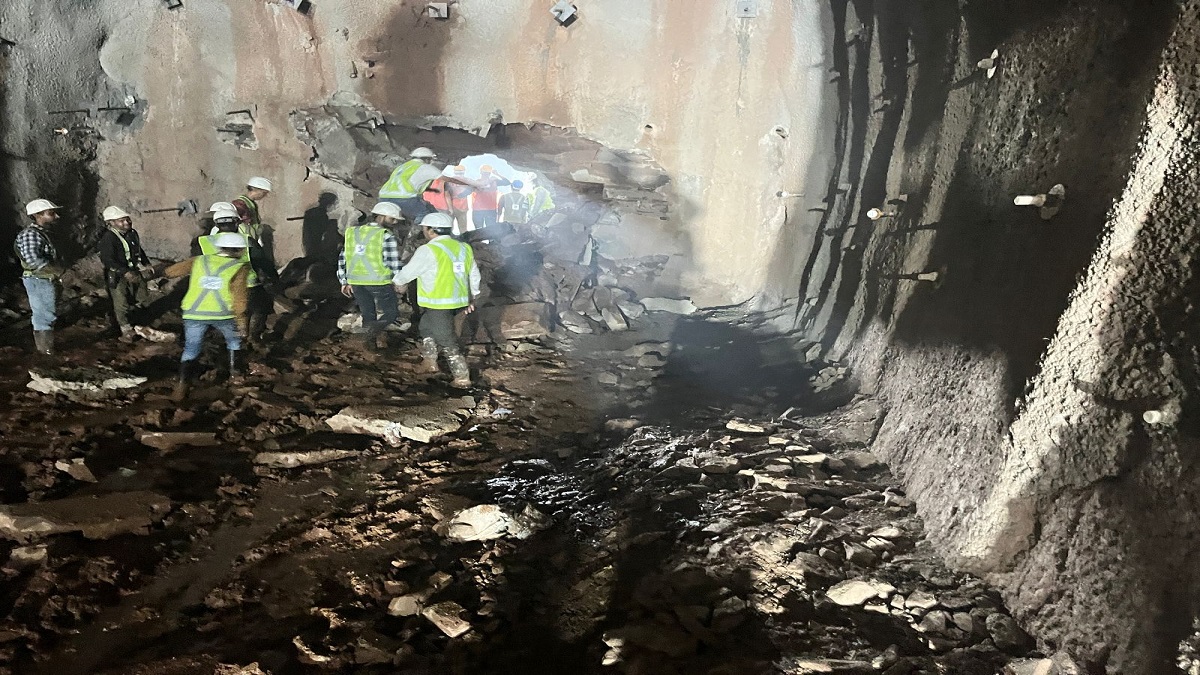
[1016, 382]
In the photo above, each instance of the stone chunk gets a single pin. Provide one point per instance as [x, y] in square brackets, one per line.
[421, 423]
[96, 516]
[744, 427]
[514, 322]
[718, 464]
[614, 320]
[575, 322]
[671, 305]
[920, 600]
[857, 592]
[291, 460]
[405, 605]
[1007, 635]
[488, 521]
[152, 335]
[76, 469]
[166, 440]
[630, 309]
[81, 381]
[447, 616]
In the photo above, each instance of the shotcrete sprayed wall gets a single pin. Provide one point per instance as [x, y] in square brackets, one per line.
[731, 107]
[1016, 382]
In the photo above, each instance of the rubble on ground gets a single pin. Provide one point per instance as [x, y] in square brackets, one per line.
[421, 423]
[95, 516]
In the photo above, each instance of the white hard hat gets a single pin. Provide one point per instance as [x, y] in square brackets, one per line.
[438, 221]
[387, 209]
[230, 240]
[422, 153]
[221, 206]
[39, 205]
[225, 214]
[114, 213]
[260, 183]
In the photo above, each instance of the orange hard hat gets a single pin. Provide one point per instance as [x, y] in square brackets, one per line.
[486, 167]
[460, 168]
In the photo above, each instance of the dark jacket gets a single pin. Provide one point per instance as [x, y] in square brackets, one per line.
[112, 252]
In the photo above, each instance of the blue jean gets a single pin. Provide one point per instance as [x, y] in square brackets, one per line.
[484, 219]
[377, 301]
[42, 297]
[413, 208]
[193, 335]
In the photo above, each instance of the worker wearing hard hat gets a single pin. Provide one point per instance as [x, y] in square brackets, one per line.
[216, 298]
[514, 206]
[409, 181]
[366, 265]
[447, 282]
[126, 267]
[262, 270]
[257, 189]
[485, 202]
[39, 262]
[540, 200]
[459, 191]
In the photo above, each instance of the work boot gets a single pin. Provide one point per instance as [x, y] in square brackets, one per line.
[429, 355]
[381, 342]
[43, 342]
[459, 371]
[186, 372]
[127, 334]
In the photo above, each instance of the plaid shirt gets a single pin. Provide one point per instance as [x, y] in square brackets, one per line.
[391, 257]
[35, 248]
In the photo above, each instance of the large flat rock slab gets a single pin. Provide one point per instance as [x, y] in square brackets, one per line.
[81, 381]
[95, 516]
[395, 424]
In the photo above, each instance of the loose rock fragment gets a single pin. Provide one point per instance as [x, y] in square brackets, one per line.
[515, 322]
[488, 521]
[405, 605]
[291, 460]
[81, 381]
[421, 423]
[166, 440]
[96, 516]
[672, 305]
[447, 616]
[857, 592]
[744, 427]
[76, 469]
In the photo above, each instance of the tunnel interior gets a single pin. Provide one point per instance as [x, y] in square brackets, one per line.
[777, 374]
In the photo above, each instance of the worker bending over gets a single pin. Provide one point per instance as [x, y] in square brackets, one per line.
[447, 281]
[366, 265]
[216, 298]
[246, 205]
[126, 267]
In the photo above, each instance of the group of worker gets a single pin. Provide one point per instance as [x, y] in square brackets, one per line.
[227, 280]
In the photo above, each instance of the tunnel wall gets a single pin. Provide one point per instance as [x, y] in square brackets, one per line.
[732, 108]
[1015, 384]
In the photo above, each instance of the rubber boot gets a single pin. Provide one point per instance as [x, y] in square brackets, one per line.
[429, 355]
[256, 329]
[43, 342]
[459, 371]
[237, 367]
[187, 371]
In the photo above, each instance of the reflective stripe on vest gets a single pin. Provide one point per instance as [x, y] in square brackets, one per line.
[452, 286]
[210, 290]
[399, 184]
[364, 256]
[207, 247]
[124, 245]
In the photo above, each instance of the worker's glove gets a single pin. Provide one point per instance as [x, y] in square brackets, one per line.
[147, 272]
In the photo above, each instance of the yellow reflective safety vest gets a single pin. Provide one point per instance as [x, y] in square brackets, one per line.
[210, 289]
[207, 247]
[364, 256]
[452, 286]
[540, 201]
[399, 184]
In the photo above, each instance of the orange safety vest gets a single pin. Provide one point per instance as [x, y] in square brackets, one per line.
[435, 194]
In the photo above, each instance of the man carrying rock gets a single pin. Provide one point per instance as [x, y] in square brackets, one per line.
[40, 270]
[366, 265]
[126, 267]
[216, 298]
[447, 281]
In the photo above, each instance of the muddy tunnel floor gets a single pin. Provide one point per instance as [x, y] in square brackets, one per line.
[642, 502]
